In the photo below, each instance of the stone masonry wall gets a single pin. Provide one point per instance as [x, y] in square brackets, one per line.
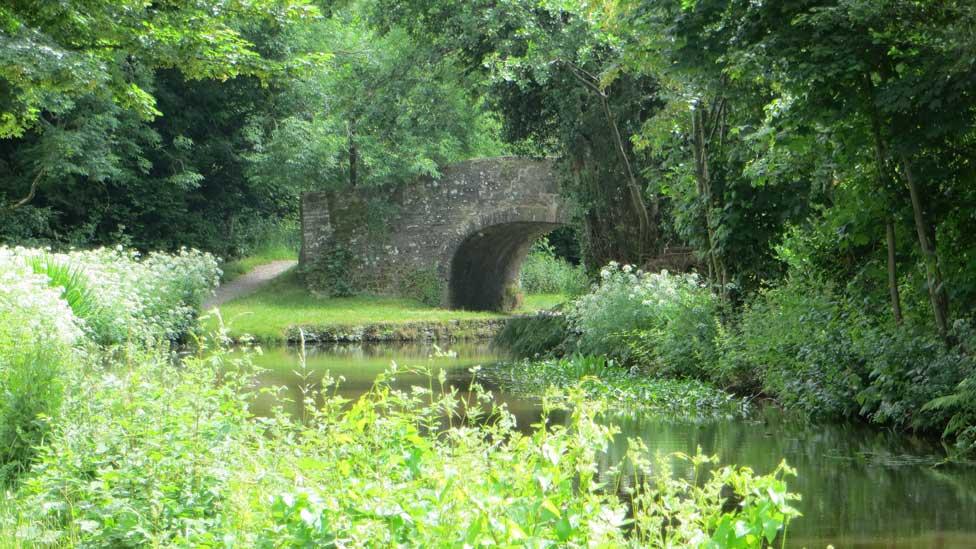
[467, 230]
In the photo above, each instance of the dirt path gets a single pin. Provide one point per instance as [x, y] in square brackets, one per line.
[248, 283]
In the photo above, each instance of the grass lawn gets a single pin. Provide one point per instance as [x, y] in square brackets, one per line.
[267, 313]
[267, 254]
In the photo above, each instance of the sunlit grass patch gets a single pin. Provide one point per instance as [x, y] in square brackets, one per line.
[268, 313]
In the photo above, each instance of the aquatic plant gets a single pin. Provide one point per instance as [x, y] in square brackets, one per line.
[623, 390]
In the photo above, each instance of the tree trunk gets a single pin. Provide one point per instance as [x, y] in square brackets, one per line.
[893, 272]
[940, 304]
[353, 154]
[636, 196]
[645, 228]
[881, 165]
[716, 267]
[31, 193]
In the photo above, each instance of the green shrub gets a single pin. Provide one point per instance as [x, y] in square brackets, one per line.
[143, 455]
[665, 322]
[960, 403]
[38, 334]
[122, 296]
[50, 302]
[31, 389]
[623, 390]
[543, 334]
[544, 273]
[798, 339]
[907, 367]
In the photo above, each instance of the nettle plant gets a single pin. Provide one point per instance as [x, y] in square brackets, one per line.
[170, 457]
[38, 338]
[427, 468]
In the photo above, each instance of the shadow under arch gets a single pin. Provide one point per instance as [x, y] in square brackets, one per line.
[484, 265]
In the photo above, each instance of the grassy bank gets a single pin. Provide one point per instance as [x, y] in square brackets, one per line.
[268, 313]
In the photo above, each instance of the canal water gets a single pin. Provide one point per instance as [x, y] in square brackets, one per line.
[861, 487]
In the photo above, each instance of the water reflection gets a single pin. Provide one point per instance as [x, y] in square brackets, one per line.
[861, 487]
[356, 366]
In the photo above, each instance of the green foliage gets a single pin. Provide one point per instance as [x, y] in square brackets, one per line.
[38, 336]
[661, 321]
[166, 487]
[31, 384]
[762, 520]
[74, 285]
[170, 456]
[907, 368]
[621, 390]
[797, 340]
[961, 426]
[389, 108]
[544, 334]
[146, 298]
[544, 273]
[56, 54]
[424, 285]
[50, 302]
[262, 101]
[960, 402]
[87, 82]
[331, 273]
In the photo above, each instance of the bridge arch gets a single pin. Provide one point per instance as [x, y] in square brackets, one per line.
[481, 269]
[467, 231]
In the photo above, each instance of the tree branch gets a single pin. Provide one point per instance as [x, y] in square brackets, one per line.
[30, 194]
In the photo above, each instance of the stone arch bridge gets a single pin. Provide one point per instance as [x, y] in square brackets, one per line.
[458, 240]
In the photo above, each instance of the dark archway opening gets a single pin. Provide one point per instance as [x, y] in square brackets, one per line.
[485, 267]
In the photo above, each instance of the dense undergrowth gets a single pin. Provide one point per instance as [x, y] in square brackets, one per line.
[544, 272]
[804, 343]
[117, 442]
[62, 312]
